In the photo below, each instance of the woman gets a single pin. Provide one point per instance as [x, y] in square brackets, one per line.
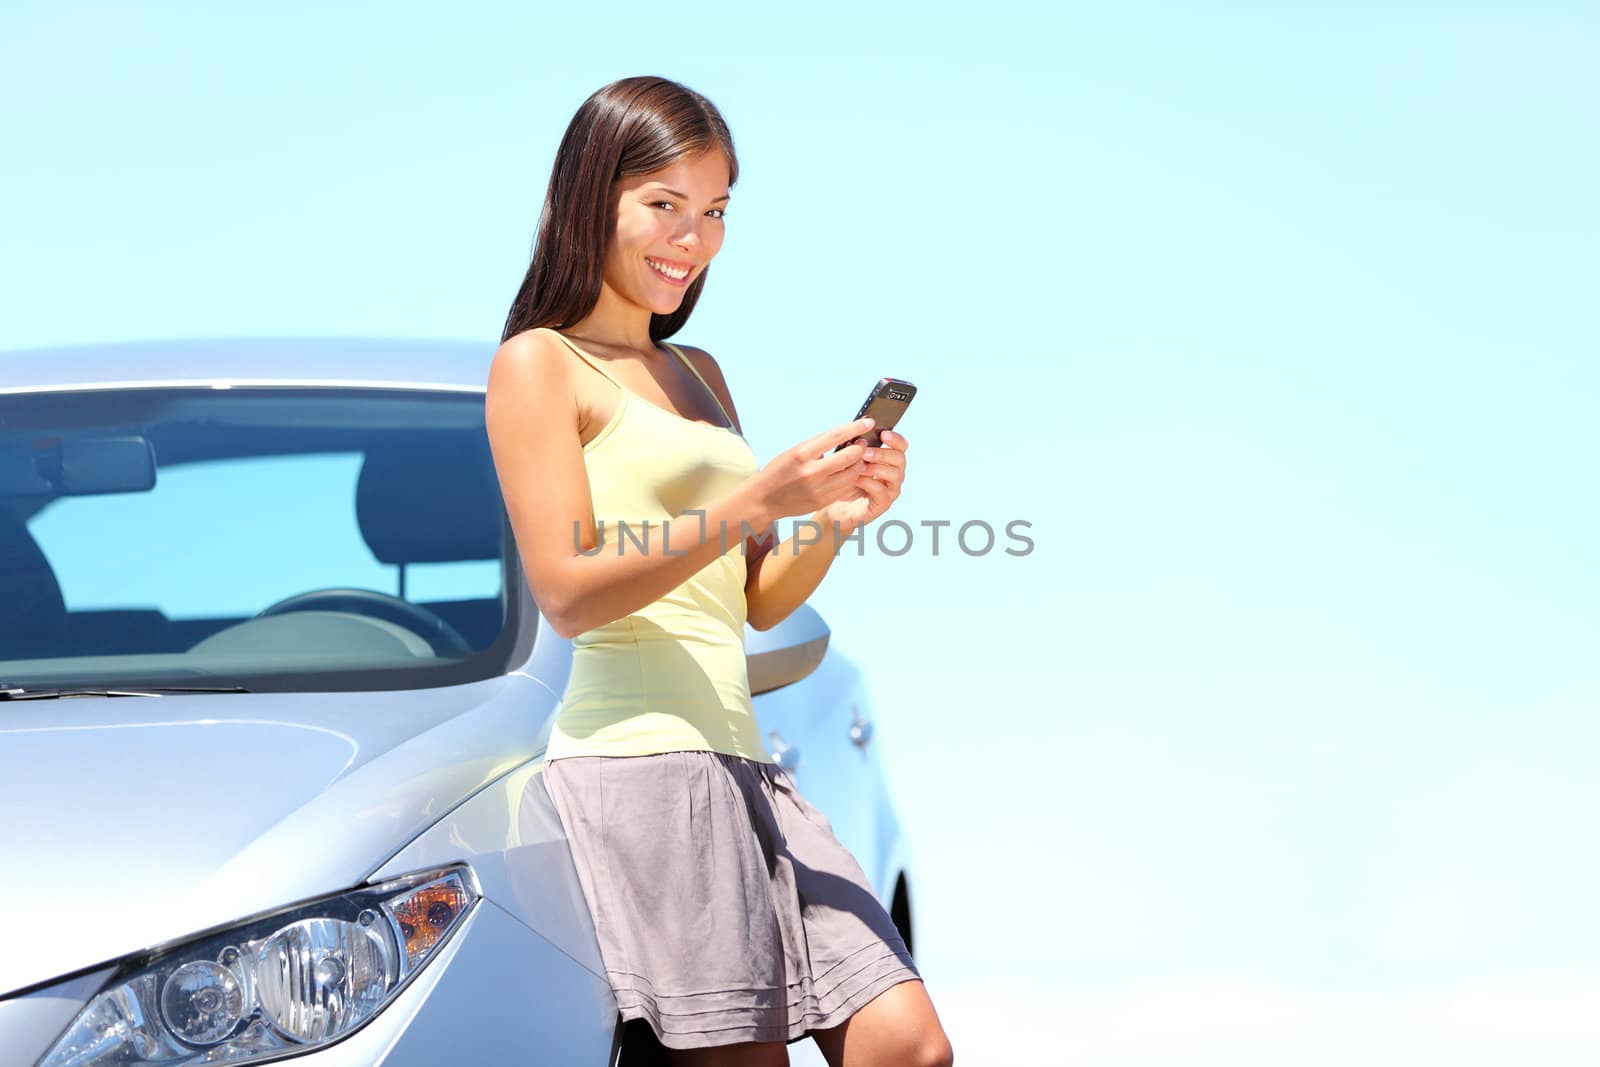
[730, 918]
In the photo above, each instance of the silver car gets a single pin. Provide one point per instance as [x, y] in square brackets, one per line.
[273, 706]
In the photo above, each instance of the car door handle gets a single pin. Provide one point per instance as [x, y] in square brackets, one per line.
[787, 755]
[860, 729]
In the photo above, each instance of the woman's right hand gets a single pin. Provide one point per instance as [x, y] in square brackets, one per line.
[810, 475]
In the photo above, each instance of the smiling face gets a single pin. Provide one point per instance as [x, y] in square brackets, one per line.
[669, 226]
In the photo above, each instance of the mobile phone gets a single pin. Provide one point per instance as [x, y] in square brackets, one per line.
[886, 403]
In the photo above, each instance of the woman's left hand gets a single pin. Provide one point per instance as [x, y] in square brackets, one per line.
[876, 488]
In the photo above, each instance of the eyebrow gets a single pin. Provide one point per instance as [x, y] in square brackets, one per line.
[685, 196]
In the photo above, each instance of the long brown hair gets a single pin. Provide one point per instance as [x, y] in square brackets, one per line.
[632, 126]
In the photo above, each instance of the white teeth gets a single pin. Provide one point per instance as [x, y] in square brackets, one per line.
[675, 273]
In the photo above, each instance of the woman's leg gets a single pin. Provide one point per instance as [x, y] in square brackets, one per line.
[896, 1028]
[748, 1054]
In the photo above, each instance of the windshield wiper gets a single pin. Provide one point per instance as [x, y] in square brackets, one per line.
[11, 692]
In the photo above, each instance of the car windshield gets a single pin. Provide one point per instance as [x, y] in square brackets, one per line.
[270, 538]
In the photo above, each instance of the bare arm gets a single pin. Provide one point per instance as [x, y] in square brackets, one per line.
[779, 577]
[784, 576]
[532, 416]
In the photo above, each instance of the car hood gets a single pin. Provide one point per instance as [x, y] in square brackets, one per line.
[135, 822]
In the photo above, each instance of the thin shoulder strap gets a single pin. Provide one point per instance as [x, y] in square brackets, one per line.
[585, 357]
[726, 417]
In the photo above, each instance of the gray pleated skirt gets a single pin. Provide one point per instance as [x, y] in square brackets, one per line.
[726, 909]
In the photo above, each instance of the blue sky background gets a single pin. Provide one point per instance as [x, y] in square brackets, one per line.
[1277, 324]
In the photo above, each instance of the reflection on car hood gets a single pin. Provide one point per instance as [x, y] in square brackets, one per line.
[132, 822]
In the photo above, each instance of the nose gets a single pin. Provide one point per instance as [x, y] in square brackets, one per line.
[688, 238]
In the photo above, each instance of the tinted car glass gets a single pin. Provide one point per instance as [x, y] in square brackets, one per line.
[274, 538]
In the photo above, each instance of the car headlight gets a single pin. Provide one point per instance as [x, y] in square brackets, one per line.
[274, 986]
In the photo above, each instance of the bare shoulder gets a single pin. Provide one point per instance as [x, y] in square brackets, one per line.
[712, 373]
[531, 357]
[527, 349]
[702, 360]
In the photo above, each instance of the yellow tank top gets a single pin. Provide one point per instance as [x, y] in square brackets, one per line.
[671, 676]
